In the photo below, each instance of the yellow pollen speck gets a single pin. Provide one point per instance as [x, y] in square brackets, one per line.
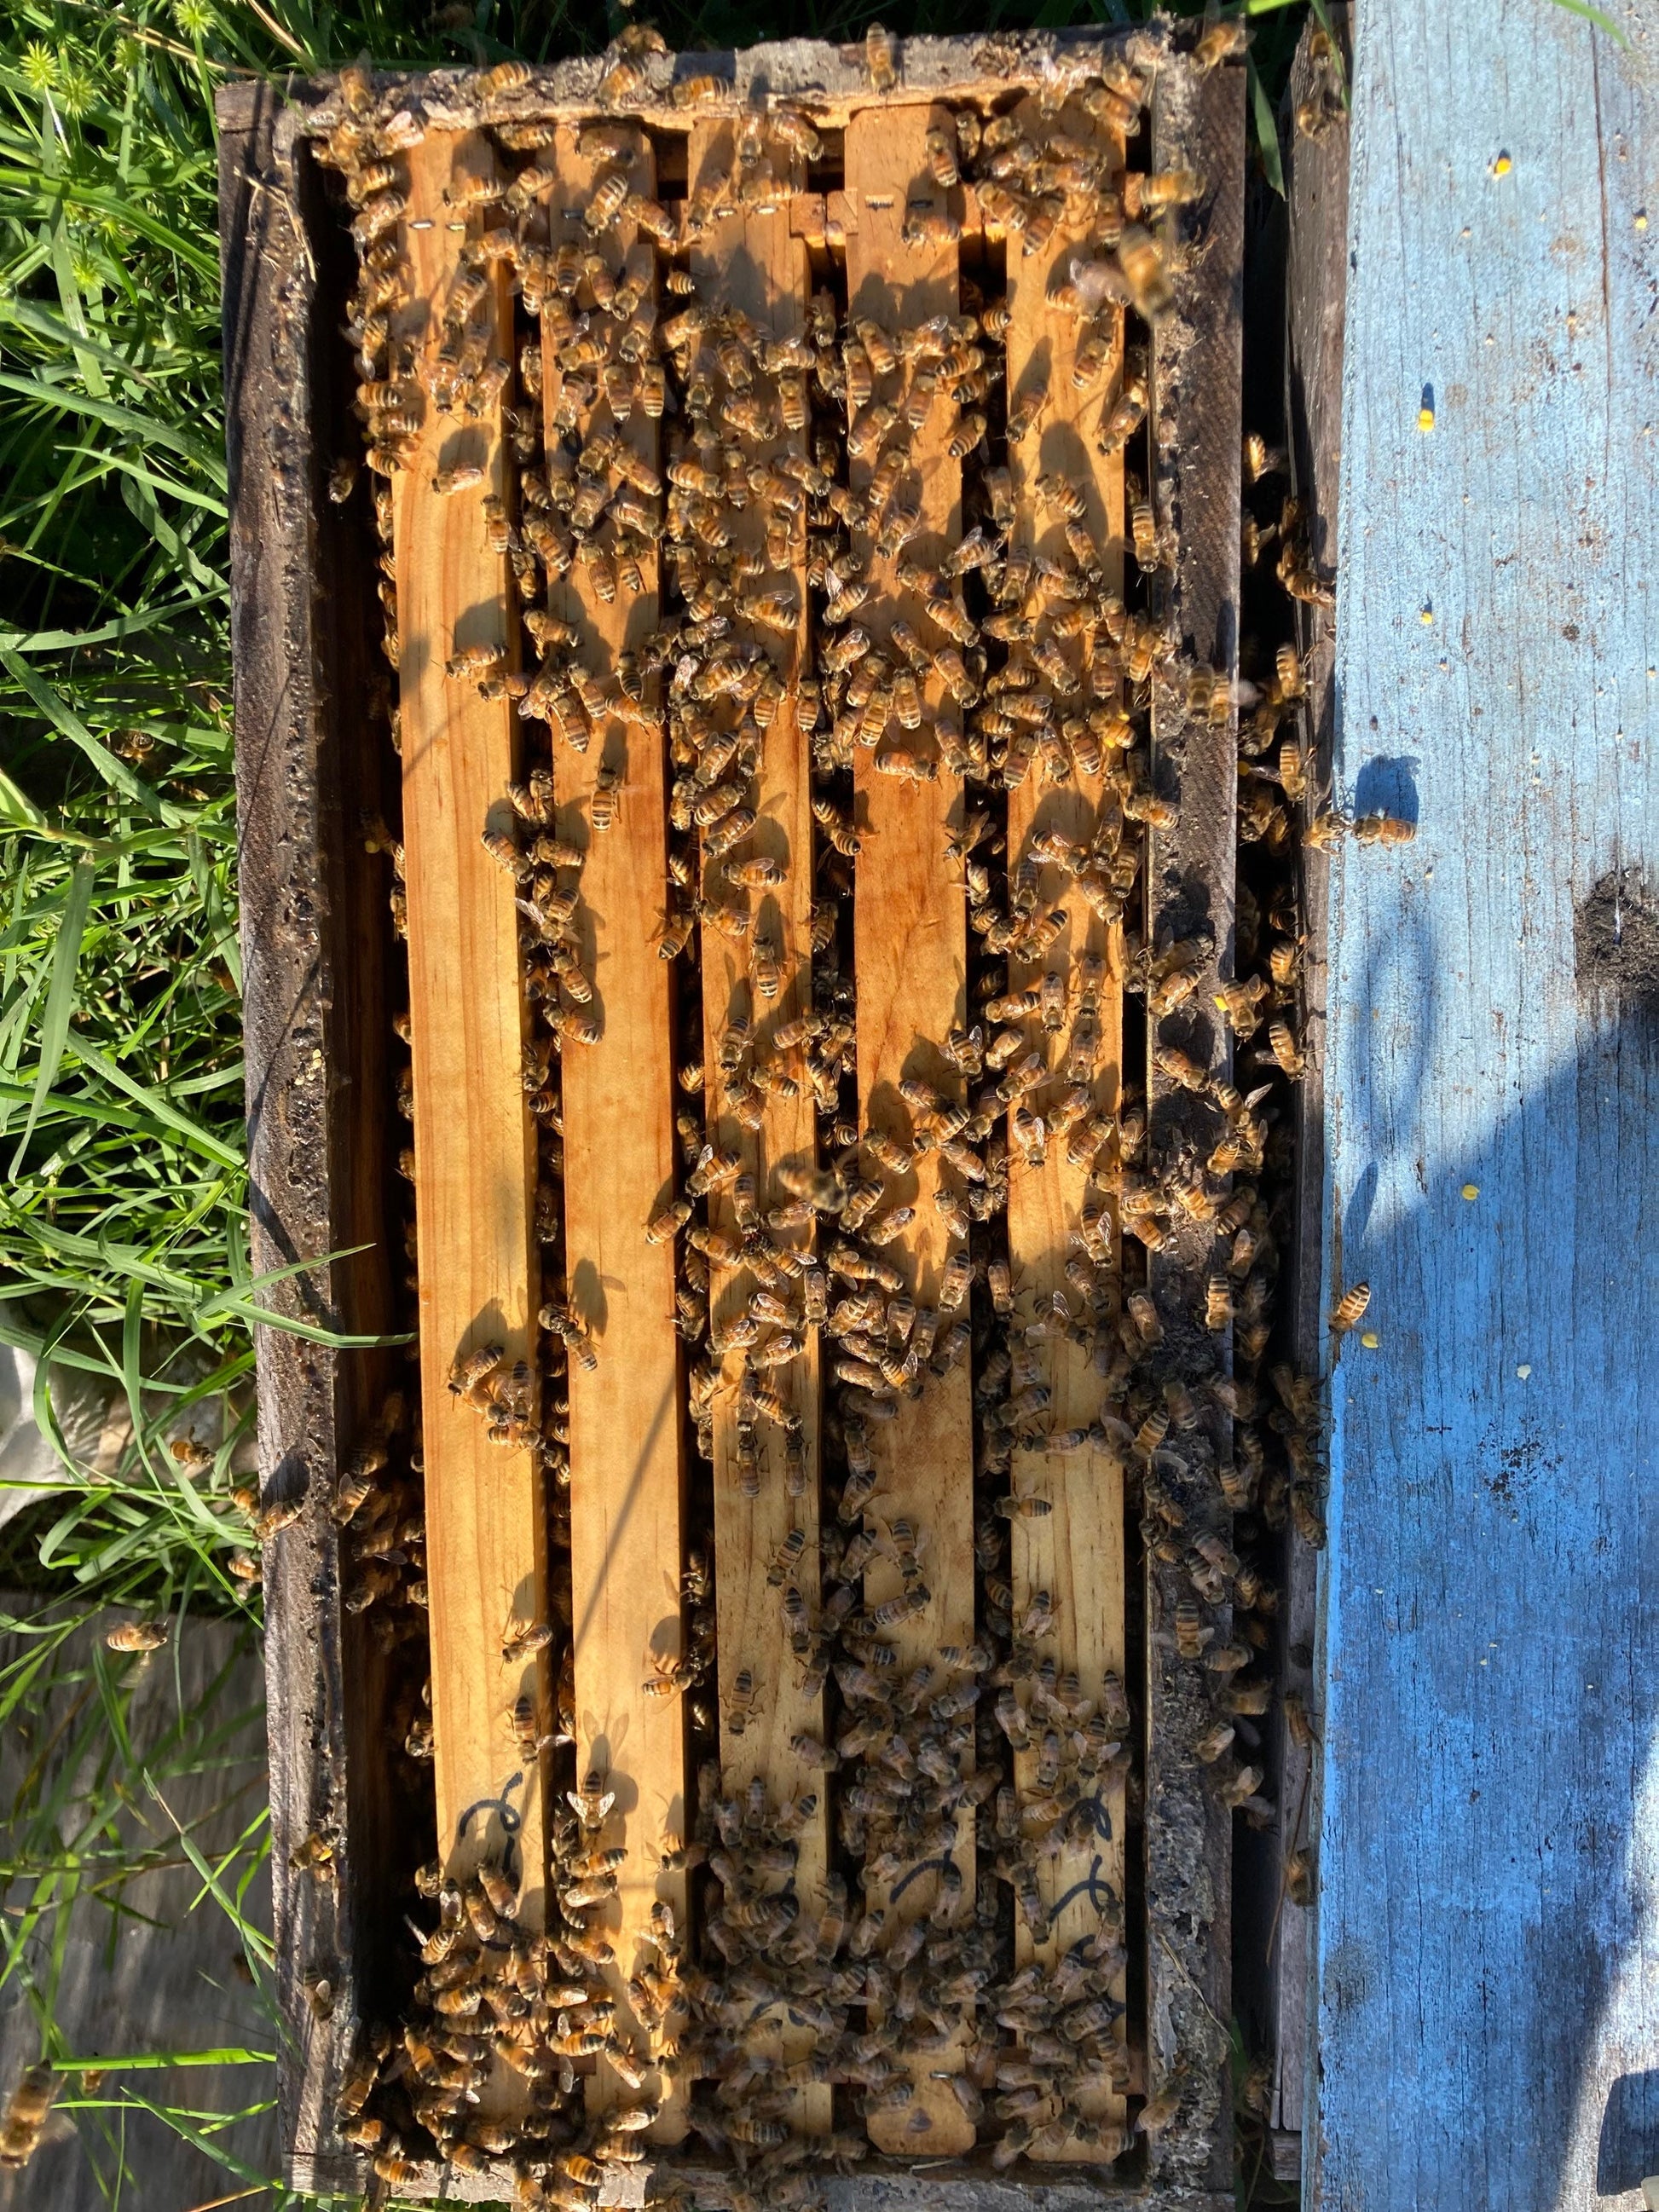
[1370, 1339]
[1641, 219]
[1471, 1190]
[1427, 618]
[1501, 165]
[1426, 419]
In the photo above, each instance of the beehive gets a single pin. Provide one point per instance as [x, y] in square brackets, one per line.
[698, 943]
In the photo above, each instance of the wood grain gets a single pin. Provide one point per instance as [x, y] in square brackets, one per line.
[475, 1169]
[755, 264]
[1198, 124]
[910, 921]
[1317, 184]
[1076, 1554]
[1490, 1639]
[626, 1477]
[298, 940]
[293, 737]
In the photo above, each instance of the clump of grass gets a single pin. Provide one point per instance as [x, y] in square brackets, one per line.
[135, 1793]
[122, 1182]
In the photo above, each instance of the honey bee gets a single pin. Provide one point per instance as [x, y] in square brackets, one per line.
[1285, 1050]
[481, 662]
[1160, 190]
[1350, 1308]
[528, 1738]
[1293, 773]
[1382, 829]
[138, 1636]
[472, 1370]
[1261, 460]
[1140, 259]
[523, 1639]
[739, 1706]
[606, 201]
[606, 800]
[25, 2116]
[665, 1224]
[1023, 413]
[1192, 1631]
[929, 226]
[446, 483]
[668, 1677]
[504, 77]
[698, 91]
[847, 841]
[879, 62]
[1016, 1507]
[361, 2072]
[1221, 42]
[942, 153]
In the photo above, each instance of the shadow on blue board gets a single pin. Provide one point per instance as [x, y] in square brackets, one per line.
[1489, 1896]
[1628, 2147]
[1387, 784]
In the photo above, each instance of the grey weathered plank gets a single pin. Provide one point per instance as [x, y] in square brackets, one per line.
[1487, 2033]
[1316, 181]
[1198, 124]
[827, 81]
[884, 2185]
[314, 935]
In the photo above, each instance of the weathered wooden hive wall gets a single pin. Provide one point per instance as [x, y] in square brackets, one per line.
[780, 663]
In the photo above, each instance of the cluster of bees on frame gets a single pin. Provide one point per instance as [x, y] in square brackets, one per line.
[660, 436]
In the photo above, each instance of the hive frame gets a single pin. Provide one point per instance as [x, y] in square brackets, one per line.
[303, 626]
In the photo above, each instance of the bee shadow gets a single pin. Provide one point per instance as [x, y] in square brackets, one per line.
[1387, 785]
[488, 1326]
[587, 1296]
[1065, 455]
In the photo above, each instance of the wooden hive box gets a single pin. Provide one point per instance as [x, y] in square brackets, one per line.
[669, 1480]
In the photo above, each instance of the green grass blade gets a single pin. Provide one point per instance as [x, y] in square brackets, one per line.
[60, 999]
[53, 328]
[200, 1140]
[260, 1944]
[150, 2062]
[244, 1284]
[113, 632]
[17, 810]
[144, 427]
[114, 771]
[128, 212]
[1267, 127]
[1598, 16]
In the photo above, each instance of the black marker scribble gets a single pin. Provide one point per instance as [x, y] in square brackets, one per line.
[511, 1820]
[922, 1867]
[1100, 1820]
[1100, 1893]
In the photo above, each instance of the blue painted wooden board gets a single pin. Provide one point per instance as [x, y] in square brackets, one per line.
[1488, 1943]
